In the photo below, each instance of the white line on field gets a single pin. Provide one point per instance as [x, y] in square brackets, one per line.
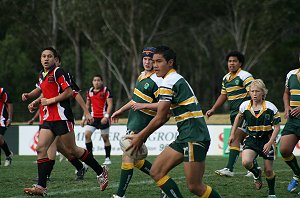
[115, 184]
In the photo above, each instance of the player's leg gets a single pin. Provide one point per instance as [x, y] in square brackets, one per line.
[89, 130]
[194, 167]
[52, 155]
[287, 145]
[107, 145]
[126, 175]
[248, 156]
[46, 137]
[68, 139]
[144, 165]
[270, 176]
[81, 169]
[5, 148]
[234, 153]
[165, 161]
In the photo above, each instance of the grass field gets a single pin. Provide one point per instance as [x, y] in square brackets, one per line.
[14, 178]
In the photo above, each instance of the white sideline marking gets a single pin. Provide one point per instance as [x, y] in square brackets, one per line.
[115, 184]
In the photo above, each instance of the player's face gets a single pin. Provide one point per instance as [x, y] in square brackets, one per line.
[147, 63]
[161, 66]
[97, 82]
[256, 94]
[233, 64]
[47, 59]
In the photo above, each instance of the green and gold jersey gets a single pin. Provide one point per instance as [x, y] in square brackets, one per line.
[146, 91]
[260, 124]
[236, 87]
[293, 84]
[184, 107]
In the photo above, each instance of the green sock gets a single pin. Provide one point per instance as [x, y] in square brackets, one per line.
[233, 156]
[293, 164]
[214, 194]
[170, 188]
[271, 185]
[125, 178]
[144, 165]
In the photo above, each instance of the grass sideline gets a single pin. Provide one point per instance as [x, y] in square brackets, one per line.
[13, 179]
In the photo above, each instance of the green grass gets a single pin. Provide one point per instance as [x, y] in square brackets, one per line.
[13, 179]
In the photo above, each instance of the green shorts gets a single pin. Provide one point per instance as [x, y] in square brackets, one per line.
[192, 151]
[292, 126]
[257, 145]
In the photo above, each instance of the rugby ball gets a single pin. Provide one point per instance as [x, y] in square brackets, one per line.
[137, 155]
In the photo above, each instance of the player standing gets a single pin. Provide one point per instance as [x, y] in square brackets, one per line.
[141, 111]
[235, 86]
[100, 99]
[261, 116]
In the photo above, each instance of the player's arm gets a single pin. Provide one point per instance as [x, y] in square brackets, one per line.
[139, 106]
[10, 113]
[160, 118]
[115, 116]
[268, 145]
[237, 121]
[220, 101]
[67, 93]
[33, 94]
[36, 115]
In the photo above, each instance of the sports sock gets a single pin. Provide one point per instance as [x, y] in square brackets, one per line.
[254, 170]
[143, 165]
[255, 164]
[169, 187]
[51, 165]
[91, 162]
[126, 175]
[76, 163]
[210, 193]
[233, 156]
[293, 164]
[89, 147]
[271, 184]
[107, 151]
[5, 148]
[43, 169]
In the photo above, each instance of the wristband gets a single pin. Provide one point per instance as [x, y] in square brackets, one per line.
[32, 119]
[9, 119]
[83, 117]
[106, 115]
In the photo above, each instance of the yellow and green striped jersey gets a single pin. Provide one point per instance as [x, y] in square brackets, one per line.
[184, 107]
[293, 84]
[146, 91]
[260, 124]
[236, 87]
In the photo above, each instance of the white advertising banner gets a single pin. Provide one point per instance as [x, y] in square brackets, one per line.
[28, 138]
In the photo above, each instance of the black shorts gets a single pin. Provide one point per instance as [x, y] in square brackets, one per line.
[257, 145]
[2, 130]
[97, 124]
[59, 127]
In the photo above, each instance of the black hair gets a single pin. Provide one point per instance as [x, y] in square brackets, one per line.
[55, 54]
[167, 53]
[238, 55]
[99, 76]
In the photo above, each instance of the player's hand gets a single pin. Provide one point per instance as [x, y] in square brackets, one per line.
[89, 118]
[104, 120]
[8, 122]
[295, 112]
[230, 139]
[25, 96]
[209, 113]
[267, 148]
[115, 116]
[30, 122]
[137, 106]
[136, 142]
[82, 123]
[33, 106]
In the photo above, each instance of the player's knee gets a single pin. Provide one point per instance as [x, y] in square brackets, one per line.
[285, 152]
[247, 163]
[41, 149]
[268, 172]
